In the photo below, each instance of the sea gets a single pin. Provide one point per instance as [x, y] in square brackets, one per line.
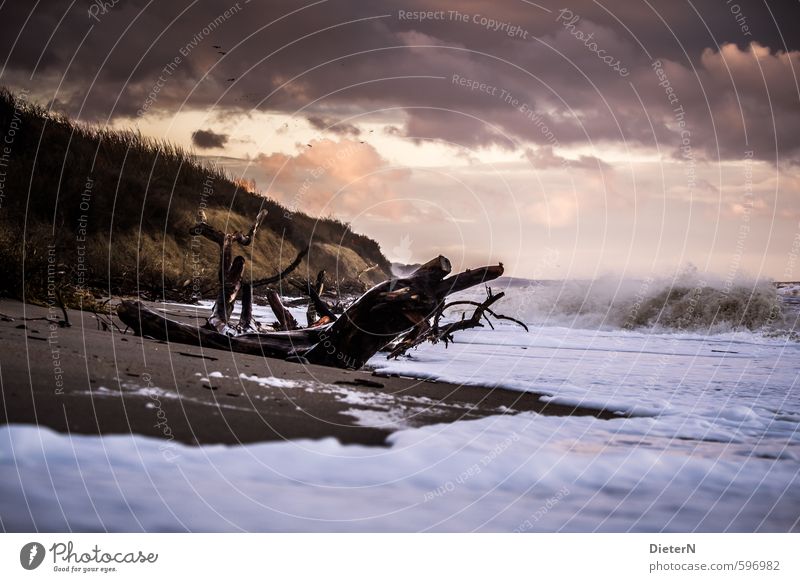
[703, 376]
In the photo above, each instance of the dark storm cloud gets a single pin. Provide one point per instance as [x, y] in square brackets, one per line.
[536, 76]
[207, 139]
[333, 126]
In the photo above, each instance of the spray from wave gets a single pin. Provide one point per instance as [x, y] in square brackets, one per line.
[687, 302]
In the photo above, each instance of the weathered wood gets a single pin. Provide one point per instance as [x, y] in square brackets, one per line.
[230, 274]
[246, 239]
[205, 230]
[283, 274]
[378, 317]
[316, 305]
[388, 310]
[445, 332]
[231, 269]
[246, 322]
[437, 269]
[418, 334]
[484, 307]
[363, 272]
[286, 321]
[435, 333]
[146, 322]
[469, 278]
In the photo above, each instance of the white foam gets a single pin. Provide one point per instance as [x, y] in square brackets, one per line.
[493, 474]
[271, 381]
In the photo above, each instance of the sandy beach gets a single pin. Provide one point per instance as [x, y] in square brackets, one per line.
[85, 380]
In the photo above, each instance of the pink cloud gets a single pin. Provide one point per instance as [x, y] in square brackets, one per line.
[342, 177]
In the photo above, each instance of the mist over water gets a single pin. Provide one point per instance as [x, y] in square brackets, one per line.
[689, 301]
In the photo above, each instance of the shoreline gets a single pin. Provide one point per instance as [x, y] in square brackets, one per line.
[84, 380]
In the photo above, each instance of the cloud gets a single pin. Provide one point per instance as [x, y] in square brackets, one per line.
[345, 57]
[732, 101]
[207, 139]
[343, 177]
[543, 158]
[540, 98]
[332, 126]
[556, 211]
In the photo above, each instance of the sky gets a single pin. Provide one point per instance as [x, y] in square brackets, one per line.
[567, 139]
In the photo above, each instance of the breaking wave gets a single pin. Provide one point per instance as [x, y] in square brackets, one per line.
[685, 302]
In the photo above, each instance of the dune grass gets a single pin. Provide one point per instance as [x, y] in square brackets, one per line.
[110, 211]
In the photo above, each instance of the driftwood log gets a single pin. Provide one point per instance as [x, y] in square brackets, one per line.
[231, 272]
[436, 332]
[379, 317]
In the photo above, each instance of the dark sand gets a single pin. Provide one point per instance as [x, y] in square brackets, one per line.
[82, 379]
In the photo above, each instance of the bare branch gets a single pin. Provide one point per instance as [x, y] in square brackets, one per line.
[286, 321]
[435, 333]
[246, 239]
[283, 274]
[206, 230]
[312, 291]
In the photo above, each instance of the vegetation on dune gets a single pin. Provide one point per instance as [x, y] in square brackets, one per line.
[108, 210]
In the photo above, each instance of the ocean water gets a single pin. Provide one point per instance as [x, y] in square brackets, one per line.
[706, 376]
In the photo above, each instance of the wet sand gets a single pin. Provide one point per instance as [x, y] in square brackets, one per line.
[82, 379]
